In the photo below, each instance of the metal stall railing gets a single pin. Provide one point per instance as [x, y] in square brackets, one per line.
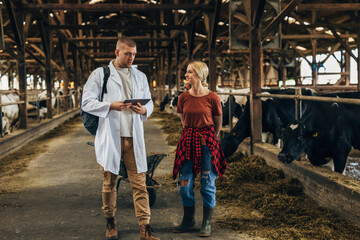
[298, 97]
[71, 106]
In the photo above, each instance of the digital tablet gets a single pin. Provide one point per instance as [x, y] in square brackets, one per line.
[142, 101]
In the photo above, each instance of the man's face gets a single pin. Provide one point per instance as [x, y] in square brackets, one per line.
[125, 56]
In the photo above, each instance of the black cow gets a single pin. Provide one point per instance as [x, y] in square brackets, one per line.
[236, 110]
[164, 102]
[276, 114]
[326, 130]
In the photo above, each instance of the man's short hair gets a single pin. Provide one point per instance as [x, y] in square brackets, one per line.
[125, 41]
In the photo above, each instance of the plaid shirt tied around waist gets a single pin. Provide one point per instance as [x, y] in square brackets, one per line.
[189, 149]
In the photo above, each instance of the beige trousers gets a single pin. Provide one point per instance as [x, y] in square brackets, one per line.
[137, 182]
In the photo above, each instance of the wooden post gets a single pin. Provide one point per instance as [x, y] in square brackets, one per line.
[47, 46]
[212, 45]
[283, 75]
[76, 78]
[11, 79]
[230, 112]
[35, 81]
[22, 86]
[298, 105]
[16, 19]
[358, 62]
[314, 71]
[347, 66]
[178, 69]
[255, 49]
[212, 69]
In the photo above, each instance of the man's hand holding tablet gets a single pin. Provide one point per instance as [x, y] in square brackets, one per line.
[135, 101]
[137, 105]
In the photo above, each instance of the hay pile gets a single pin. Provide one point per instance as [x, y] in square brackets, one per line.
[171, 125]
[260, 201]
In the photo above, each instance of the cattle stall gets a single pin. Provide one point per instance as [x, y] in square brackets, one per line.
[12, 137]
[330, 189]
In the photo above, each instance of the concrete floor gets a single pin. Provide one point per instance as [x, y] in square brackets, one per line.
[59, 196]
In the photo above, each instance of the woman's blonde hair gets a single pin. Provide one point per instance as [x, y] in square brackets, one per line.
[201, 70]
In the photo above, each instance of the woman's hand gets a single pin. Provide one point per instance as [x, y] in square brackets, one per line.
[217, 123]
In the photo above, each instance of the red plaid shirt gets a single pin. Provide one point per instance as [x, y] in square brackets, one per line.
[189, 149]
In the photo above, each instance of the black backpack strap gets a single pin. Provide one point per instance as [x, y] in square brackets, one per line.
[106, 77]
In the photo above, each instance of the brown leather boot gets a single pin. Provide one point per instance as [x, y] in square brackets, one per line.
[146, 233]
[111, 229]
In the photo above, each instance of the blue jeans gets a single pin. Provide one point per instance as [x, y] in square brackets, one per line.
[207, 181]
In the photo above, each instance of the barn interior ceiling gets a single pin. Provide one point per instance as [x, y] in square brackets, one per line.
[74, 37]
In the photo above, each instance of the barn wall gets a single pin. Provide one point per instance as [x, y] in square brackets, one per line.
[329, 189]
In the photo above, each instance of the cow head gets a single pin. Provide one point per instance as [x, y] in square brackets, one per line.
[229, 143]
[296, 137]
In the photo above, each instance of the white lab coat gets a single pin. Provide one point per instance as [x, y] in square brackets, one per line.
[107, 139]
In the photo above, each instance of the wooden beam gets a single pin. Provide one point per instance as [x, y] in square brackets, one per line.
[43, 54]
[118, 27]
[259, 13]
[107, 7]
[241, 17]
[343, 44]
[34, 57]
[300, 53]
[334, 49]
[2, 36]
[279, 18]
[313, 36]
[14, 23]
[328, 7]
[135, 38]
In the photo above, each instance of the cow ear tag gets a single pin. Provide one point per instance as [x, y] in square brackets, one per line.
[315, 134]
[234, 134]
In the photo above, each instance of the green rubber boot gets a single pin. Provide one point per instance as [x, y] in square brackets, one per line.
[188, 221]
[205, 230]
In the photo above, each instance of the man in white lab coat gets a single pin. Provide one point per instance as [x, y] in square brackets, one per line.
[120, 134]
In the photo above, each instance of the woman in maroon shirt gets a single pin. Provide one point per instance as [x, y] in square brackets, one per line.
[198, 150]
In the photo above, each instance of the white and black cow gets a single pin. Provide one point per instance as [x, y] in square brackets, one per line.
[236, 110]
[10, 113]
[276, 114]
[326, 130]
[173, 101]
[43, 104]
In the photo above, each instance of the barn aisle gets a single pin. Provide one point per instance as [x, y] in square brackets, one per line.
[59, 195]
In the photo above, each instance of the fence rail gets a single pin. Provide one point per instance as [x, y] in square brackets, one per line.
[297, 98]
[37, 100]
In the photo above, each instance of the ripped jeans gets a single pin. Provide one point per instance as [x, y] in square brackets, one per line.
[207, 181]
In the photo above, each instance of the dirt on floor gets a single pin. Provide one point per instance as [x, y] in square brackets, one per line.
[17, 162]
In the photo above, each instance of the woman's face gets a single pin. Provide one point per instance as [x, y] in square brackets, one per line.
[191, 76]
